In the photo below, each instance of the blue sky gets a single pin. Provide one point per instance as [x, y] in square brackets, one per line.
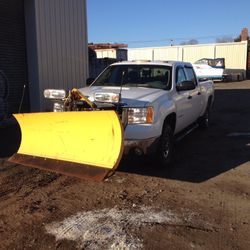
[144, 23]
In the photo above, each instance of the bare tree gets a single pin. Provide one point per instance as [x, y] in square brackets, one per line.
[224, 39]
[190, 42]
[238, 38]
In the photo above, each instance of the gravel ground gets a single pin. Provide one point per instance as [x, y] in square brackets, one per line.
[201, 202]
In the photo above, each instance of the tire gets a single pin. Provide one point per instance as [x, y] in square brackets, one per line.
[165, 148]
[205, 119]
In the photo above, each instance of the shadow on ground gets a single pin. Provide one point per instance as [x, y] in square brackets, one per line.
[206, 154]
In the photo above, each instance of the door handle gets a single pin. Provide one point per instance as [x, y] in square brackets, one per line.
[190, 97]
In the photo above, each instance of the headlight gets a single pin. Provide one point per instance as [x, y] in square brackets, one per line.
[107, 97]
[140, 115]
[54, 94]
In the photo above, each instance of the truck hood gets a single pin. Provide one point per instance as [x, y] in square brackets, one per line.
[131, 96]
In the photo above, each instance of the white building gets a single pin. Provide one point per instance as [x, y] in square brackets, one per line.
[235, 53]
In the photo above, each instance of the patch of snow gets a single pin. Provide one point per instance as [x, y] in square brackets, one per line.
[108, 228]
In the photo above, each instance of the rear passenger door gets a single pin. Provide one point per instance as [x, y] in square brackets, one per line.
[183, 101]
[194, 95]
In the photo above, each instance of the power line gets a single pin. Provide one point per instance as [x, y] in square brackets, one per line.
[171, 39]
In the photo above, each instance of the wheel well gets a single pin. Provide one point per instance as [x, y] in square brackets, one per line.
[170, 119]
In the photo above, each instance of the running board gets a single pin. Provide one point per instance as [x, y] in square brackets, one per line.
[186, 132]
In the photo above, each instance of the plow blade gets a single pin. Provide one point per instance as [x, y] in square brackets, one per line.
[86, 144]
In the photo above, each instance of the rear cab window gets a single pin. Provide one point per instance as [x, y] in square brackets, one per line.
[180, 75]
[189, 71]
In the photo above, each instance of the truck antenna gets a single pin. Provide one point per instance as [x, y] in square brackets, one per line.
[120, 92]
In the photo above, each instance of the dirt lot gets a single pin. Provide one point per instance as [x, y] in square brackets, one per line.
[202, 202]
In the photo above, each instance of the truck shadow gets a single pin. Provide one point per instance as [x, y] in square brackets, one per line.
[200, 156]
[206, 154]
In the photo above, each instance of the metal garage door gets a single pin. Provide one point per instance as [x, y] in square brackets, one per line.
[13, 52]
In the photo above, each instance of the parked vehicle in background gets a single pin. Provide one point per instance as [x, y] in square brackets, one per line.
[214, 69]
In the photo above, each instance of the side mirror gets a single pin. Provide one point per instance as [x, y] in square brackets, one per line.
[89, 81]
[185, 85]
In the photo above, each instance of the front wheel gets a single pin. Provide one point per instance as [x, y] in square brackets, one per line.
[165, 149]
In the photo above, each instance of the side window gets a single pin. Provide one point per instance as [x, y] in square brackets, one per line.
[190, 75]
[180, 75]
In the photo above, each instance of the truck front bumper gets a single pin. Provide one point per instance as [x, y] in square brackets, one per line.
[141, 147]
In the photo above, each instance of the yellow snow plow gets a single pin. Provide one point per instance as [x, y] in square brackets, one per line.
[86, 142]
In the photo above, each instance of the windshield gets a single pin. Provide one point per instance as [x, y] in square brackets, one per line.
[147, 76]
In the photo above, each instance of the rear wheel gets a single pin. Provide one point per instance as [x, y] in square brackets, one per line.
[205, 119]
[165, 149]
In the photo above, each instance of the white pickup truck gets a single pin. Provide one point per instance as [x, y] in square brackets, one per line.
[155, 100]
